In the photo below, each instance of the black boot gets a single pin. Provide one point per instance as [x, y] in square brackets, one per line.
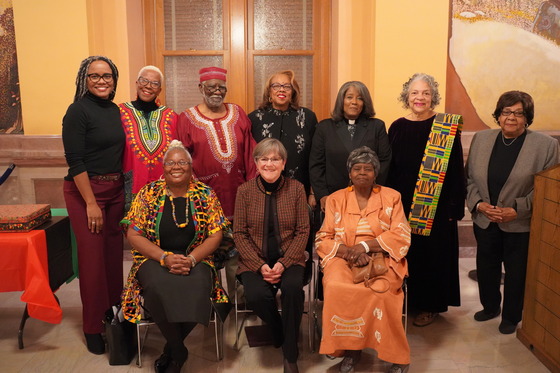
[95, 343]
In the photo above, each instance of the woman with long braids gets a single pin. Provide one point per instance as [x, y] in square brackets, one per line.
[93, 140]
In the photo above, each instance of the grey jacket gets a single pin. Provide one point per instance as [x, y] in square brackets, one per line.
[539, 152]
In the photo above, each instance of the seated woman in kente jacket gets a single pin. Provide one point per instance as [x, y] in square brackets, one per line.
[174, 225]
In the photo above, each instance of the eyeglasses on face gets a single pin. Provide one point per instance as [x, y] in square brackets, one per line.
[518, 114]
[265, 160]
[173, 163]
[144, 82]
[278, 86]
[215, 88]
[95, 77]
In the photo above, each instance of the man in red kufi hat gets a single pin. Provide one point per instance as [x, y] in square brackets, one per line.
[218, 136]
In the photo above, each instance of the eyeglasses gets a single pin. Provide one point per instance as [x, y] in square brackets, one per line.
[173, 163]
[144, 82]
[278, 86]
[213, 89]
[95, 77]
[518, 114]
[265, 160]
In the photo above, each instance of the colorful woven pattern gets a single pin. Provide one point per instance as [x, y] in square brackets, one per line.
[145, 216]
[23, 218]
[432, 172]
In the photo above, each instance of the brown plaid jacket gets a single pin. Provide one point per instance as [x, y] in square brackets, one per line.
[248, 224]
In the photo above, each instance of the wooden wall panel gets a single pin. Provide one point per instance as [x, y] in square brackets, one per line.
[540, 330]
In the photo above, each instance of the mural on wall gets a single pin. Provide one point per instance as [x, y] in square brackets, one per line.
[10, 106]
[501, 45]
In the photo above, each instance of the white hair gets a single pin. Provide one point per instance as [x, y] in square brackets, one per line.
[151, 68]
[177, 145]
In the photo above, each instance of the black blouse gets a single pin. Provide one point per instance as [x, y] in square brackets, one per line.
[294, 129]
[173, 238]
[501, 163]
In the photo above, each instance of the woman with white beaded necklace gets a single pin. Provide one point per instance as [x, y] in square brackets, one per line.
[500, 171]
[174, 225]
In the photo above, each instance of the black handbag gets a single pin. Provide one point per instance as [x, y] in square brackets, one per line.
[121, 336]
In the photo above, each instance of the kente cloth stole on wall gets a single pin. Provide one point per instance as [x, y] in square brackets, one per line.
[432, 172]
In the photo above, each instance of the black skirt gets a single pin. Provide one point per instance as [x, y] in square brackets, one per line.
[176, 298]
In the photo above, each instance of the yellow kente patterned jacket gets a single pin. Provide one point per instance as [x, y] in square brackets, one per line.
[145, 216]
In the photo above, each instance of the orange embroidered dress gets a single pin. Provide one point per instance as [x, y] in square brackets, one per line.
[354, 316]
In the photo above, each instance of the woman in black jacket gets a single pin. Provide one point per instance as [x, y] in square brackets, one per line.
[352, 125]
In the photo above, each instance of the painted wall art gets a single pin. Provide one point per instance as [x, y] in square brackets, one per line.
[10, 105]
[501, 45]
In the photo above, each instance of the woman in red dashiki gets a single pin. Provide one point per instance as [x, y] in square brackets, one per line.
[149, 129]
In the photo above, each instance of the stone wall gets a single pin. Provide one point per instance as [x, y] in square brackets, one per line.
[40, 169]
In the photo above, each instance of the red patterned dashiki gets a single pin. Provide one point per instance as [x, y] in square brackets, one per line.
[222, 150]
[146, 142]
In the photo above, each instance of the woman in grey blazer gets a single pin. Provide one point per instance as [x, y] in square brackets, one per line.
[500, 171]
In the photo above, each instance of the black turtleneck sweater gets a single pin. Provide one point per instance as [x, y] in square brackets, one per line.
[271, 227]
[93, 137]
[145, 107]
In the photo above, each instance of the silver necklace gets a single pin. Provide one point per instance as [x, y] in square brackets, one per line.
[504, 140]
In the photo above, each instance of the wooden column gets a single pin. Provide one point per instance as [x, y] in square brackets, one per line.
[540, 330]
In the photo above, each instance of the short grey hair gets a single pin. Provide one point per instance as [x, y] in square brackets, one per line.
[176, 145]
[151, 68]
[270, 145]
[363, 154]
[436, 98]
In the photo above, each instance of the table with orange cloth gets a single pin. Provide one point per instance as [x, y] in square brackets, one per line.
[37, 263]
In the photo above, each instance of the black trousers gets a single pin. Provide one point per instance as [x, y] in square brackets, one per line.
[495, 247]
[261, 298]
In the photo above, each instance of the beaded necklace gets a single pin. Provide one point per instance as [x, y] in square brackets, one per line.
[182, 225]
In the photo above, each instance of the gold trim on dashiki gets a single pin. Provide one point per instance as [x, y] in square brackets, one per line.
[432, 172]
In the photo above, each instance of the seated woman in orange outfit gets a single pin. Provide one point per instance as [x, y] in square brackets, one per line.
[359, 220]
